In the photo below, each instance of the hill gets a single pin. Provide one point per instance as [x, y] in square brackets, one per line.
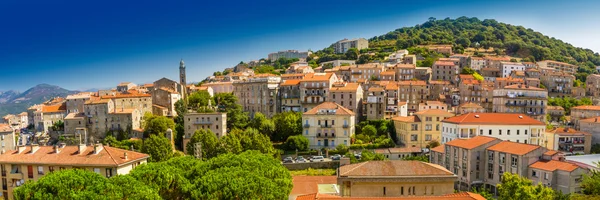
[14, 104]
[463, 32]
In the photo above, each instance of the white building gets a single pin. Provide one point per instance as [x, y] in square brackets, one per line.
[478, 62]
[289, 54]
[343, 45]
[508, 67]
[505, 126]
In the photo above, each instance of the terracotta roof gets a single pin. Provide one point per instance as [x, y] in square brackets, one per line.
[434, 112]
[405, 66]
[389, 72]
[553, 165]
[393, 168]
[349, 87]
[443, 63]
[405, 150]
[593, 119]
[123, 111]
[340, 110]
[532, 70]
[309, 184]
[392, 86]
[477, 58]
[290, 82]
[375, 89]
[5, 128]
[54, 108]
[453, 196]
[513, 148]
[494, 119]
[586, 107]
[407, 119]
[550, 153]
[317, 77]
[75, 116]
[490, 69]
[382, 151]
[69, 156]
[422, 83]
[439, 82]
[23, 114]
[472, 142]
[128, 94]
[439, 149]
[466, 76]
[97, 101]
[567, 131]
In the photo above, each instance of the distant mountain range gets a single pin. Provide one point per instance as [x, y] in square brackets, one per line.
[13, 102]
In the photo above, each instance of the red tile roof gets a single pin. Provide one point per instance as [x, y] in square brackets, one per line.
[493, 119]
[5, 128]
[443, 63]
[69, 156]
[290, 82]
[513, 148]
[586, 107]
[434, 112]
[317, 77]
[54, 108]
[422, 83]
[521, 87]
[340, 110]
[472, 142]
[567, 131]
[553, 165]
[393, 168]
[592, 120]
[439, 149]
[309, 184]
[406, 119]
[550, 153]
[453, 196]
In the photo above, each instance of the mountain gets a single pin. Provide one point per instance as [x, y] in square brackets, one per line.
[15, 102]
[464, 32]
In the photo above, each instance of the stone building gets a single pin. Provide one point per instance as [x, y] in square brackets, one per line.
[314, 89]
[259, 93]
[214, 121]
[289, 92]
[523, 99]
[349, 95]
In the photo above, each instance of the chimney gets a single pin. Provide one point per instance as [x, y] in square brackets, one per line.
[21, 148]
[56, 149]
[125, 155]
[81, 148]
[34, 148]
[98, 148]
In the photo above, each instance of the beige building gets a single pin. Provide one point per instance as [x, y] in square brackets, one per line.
[470, 107]
[592, 126]
[366, 72]
[96, 111]
[259, 94]
[592, 84]
[556, 113]
[375, 105]
[289, 92]
[523, 99]
[321, 129]
[558, 84]
[559, 66]
[342, 46]
[349, 95]
[568, 141]
[51, 114]
[163, 101]
[399, 179]
[30, 163]
[75, 102]
[421, 128]
[463, 60]
[478, 63]
[215, 122]
[445, 71]
[7, 137]
[73, 121]
[583, 112]
[314, 89]
[220, 87]
[558, 175]
[404, 72]
[413, 92]
[438, 90]
[428, 105]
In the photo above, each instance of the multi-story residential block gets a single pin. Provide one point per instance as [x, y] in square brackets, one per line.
[445, 71]
[558, 84]
[289, 54]
[421, 128]
[289, 92]
[427, 105]
[392, 103]
[213, 121]
[388, 75]
[349, 95]
[220, 87]
[97, 115]
[463, 60]
[558, 175]
[496, 61]
[505, 126]
[327, 125]
[533, 73]
[509, 67]
[480, 92]
[503, 82]
[523, 99]
[469, 107]
[164, 99]
[299, 68]
[517, 74]
[342, 46]
[375, 104]
[568, 141]
[7, 137]
[466, 159]
[592, 126]
[535, 82]
[366, 72]
[400, 179]
[559, 66]
[397, 56]
[478, 63]
[592, 84]
[438, 90]
[556, 113]
[511, 157]
[259, 94]
[30, 163]
[314, 89]
[529, 65]
[583, 112]
[75, 102]
[414, 93]
[74, 121]
[51, 114]
[423, 73]
[490, 73]
[456, 61]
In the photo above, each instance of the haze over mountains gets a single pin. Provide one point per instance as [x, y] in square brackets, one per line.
[14, 102]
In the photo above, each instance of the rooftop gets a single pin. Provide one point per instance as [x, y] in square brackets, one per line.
[439, 148]
[472, 142]
[54, 108]
[348, 87]
[592, 120]
[309, 184]
[493, 119]
[434, 112]
[5, 128]
[393, 168]
[443, 63]
[290, 82]
[522, 87]
[553, 165]
[567, 131]
[453, 196]
[329, 106]
[421, 83]
[406, 119]
[317, 77]
[70, 156]
[586, 108]
[513, 148]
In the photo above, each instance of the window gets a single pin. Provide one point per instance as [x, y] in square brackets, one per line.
[51, 169]
[413, 137]
[29, 171]
[525, 132]
[97, 170]
[502, 158]
[499, 132]
[414, 127]
[518, 132]
[514, 161]
[383, 190]
[40, 170]
[534, 173]
[545, 176]
[490, 132]
[480, 131]
[306, 132]
[401, 190]
[109, 172]
[428, 127]
[507, 132]
[428, 137]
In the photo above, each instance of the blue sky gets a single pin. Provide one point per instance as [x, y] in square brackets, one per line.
[83, 44]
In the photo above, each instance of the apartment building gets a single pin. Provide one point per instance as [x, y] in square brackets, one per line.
[74, 121]
[97, 115]
[289, 54]
[126, 86]
[75, 102]
[375, 104]
[463, 60]
[503, 82]
[533, 73]
[213, 121]
[472, 90]
[556, 113]
[391, 101]
[509, 67]
[559, 66]
[568, 141]
[51, 114]
[259, 94]
[220, 87]
[511, 157]
[445, 71]
[349, 95]
[437, 89]
[366, 72]
[558, 175]
[7, 137]
[423, 73]
[342, 46]
[30, 163]
[505, 126]
[558, 84]
[535, 82]
[320, 127]
[591, 126]
[388, 75]
[314, 89]
[522, 99]
[428, 105]
[469, 107]
[400, 179]
[496, 61]
[592, 84]
[164, 99]
[413, 92]
[583, 112]
[289, 92]
[420, 128]
[478, 63]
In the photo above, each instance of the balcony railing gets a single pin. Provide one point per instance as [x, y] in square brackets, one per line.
[202, 122]
[326, 135]
[326, 125]
[345, 126]
[306, 125]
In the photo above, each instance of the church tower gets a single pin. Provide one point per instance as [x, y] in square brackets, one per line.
[182, 80]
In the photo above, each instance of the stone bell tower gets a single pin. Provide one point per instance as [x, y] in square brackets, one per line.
[182, 79]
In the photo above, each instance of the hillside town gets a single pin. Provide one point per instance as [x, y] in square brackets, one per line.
[469, 119]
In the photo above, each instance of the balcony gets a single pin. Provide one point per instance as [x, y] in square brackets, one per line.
[202, 123]
[345, 126]
[516, 104]
[326, 125]
[306, 125]
[16, 175]
[326, 135]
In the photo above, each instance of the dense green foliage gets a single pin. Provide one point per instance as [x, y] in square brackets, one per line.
[123, 144]
[199, 99]
[373, 134]
[313, 172]
[236, 117]
[296, 142]
[157, 125]
[236, 141]
[181, 110]
[158, 147]
[286, 124]
[422, 158]
[514, 186]
[84, 184]
[567, 103]
[263, 124]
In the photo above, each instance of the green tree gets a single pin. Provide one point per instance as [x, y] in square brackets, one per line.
[591, 183]
[417, 158]
[287, 124]
[158, 147]
[236, 117]
[251, 139]
[58, 126]
[369, 130]
[352, 54]
[367, 155]
[484, 193]
[262, 124]
[514, 186]
[181, 110]
[433, 144]
[199, 99]
[467, 70]
[157, 125]
[170, 178]
[296, 142]
[209, 142]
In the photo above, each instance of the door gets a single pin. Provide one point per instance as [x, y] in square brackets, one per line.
[326, 141]
[30, 171]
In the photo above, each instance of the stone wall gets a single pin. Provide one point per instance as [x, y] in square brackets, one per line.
[315, 165]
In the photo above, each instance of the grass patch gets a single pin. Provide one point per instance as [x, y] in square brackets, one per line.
[313, 172]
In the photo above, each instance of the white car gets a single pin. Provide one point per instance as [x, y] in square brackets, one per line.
[318, 159]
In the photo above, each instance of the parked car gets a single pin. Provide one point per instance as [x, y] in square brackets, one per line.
[357, 156]
[301, 159]
[318, 159]
[336, 157]
[288, 160]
